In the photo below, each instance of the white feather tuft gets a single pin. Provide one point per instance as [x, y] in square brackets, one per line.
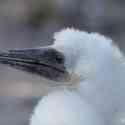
[64, 108]
[101, 68]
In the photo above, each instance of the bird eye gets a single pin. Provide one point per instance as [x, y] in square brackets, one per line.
[54, 56]
[59, 58]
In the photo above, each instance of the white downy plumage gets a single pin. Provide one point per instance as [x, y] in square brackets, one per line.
[97, 69]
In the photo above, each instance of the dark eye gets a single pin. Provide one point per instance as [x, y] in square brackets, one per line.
[54, 56]
[59, 58]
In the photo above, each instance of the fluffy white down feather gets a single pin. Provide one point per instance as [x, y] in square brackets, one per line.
[64, 108]
[99, 95]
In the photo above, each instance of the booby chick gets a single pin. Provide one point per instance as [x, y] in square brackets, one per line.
[90, 64]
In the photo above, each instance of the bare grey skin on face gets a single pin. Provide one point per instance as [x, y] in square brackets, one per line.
[46, 62]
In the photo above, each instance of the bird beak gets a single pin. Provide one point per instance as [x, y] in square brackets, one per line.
[46, 62]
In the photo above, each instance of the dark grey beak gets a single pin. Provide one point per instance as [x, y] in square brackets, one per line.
[45, 62]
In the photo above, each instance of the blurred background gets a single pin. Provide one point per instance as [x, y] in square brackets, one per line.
[31, 23]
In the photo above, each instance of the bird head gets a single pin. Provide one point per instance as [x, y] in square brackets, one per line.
[74, 55]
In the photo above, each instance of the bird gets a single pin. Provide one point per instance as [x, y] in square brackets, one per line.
[89, 67]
